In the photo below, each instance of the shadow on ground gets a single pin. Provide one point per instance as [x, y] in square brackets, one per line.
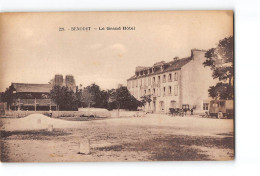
[174, 148]
[32, 134]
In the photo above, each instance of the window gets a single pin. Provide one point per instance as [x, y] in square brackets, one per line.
[149, 81]
[170, 77]
[153, 79]
[164, 91]
[173, 104]
[159, 92]
[159, 79]
[136, 83]
[176, 76]
[176, 90]
[144, 92]
[164, 78]
[153, 91]
[205, 106]
[149, 91]
[162, 105]
[170, 90]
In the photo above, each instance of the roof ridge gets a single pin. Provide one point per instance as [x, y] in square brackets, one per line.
[32, 83]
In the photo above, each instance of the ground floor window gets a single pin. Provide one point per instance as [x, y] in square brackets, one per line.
[162, 105]
[173, 104]
[205, 106]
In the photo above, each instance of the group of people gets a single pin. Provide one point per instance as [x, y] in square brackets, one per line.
[180, 111]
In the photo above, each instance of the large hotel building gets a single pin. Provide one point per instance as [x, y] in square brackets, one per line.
[180, 83]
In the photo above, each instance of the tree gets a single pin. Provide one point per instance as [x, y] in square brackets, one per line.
[122, 99]
[88, 97]
[8, 96]
[222, 91]
[79, 95]
[102, 99]
[221, 62]
[93, 96]
[64, 98]
[146, 99]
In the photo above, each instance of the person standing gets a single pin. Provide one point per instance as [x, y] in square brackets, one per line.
[50, 113]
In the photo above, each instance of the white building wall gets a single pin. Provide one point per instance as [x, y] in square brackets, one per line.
[158, 96]
[195, 81]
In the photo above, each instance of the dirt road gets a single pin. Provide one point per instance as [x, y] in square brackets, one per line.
[150, 138]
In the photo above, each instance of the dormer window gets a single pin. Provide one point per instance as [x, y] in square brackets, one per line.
[163, 67]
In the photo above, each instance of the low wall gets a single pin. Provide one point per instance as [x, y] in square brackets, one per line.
[19, 114]
[124, 113]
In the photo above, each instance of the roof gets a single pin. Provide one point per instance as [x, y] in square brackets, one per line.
[177, 64]
[25, 87]
[169, 66]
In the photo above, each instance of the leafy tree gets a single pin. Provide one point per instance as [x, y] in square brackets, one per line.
[222, 91]
[88, 97]
[79, 95]
[221, 62]
[2, 96]
[102, 99]
[64, 98]
[8, 97]
[146, 99]
[93, 96]
[122, 99]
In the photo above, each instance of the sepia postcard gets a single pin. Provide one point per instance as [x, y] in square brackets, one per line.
[117, 86]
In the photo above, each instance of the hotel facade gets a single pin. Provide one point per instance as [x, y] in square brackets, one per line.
[180, 83]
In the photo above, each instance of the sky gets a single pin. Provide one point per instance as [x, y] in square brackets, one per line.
[33, 50]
